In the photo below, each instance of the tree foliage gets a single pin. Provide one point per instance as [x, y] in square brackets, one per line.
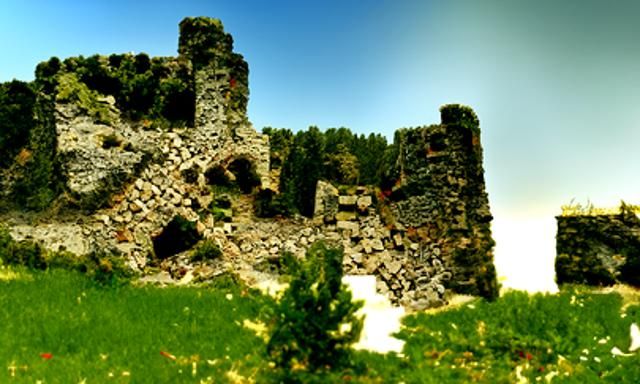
[315, 322]
[158, 89]
[39, 180]
[17, 101]
[336, 155]
[302, 170]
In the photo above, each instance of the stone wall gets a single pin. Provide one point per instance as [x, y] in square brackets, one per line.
[134, 178]
[440, 198]
[408, 272]
[428, 233]
[598, 249]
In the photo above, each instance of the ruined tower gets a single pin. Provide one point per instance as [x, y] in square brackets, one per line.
[222, 91]
[440, 197]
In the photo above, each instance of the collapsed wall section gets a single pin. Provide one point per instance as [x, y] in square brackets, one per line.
[430, 230]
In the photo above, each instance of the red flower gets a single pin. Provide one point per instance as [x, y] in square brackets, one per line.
[167, 355]
[46, 355]
[529, 356]
[232, 82]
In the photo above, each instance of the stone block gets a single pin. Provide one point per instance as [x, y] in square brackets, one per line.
[376, 244]
[347, 201]
[393, 266]
[363, 202]
[346, 216]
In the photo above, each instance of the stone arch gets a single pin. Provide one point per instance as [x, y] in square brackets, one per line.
[240, 171]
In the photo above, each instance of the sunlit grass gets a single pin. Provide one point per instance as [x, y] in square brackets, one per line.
[61, 327]
[566, 337]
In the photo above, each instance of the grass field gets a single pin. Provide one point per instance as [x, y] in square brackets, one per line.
[61, 327]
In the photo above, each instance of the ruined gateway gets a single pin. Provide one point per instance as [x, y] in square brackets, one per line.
[427, 236]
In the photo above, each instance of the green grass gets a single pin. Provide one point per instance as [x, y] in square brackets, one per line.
[116, 334]
[571, 334]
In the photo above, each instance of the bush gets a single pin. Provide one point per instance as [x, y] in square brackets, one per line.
[456, 114]
[206, 250]
[315, 322]
[269, 204]
[106, 268]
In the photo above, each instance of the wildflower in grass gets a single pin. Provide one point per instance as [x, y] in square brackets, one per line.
[46, 356]
[167, 355]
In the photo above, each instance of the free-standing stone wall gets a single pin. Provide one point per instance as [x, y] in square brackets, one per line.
[600, 249]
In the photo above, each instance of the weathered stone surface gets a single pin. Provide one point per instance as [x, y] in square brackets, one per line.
[598, 249]
[363, 203]
[54, 236]
[345, 216]
[442, 198]
[347, 201]
[93, 171]
[438, 209]
[326, 202]
[350, 226]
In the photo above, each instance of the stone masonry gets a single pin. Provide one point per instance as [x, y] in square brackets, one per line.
[426, 235]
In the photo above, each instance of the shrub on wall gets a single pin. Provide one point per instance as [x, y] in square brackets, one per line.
[456, 114]
[203, 39]
[72, 90]
[158, 89]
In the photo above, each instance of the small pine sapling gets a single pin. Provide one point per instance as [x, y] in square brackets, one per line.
[315, 320]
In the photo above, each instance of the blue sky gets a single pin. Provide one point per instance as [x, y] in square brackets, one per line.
[556, 84]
